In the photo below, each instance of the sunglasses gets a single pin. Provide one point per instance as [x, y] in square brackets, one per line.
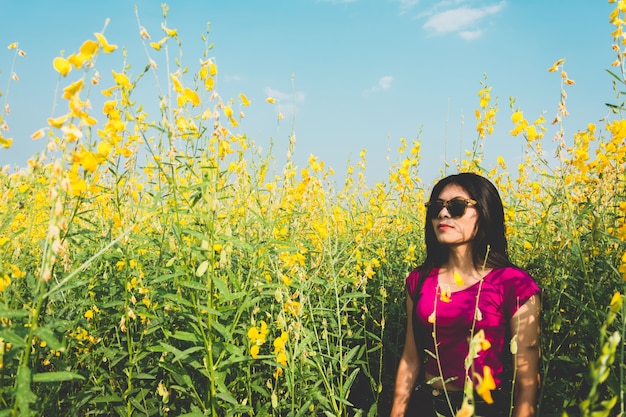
[456, 207]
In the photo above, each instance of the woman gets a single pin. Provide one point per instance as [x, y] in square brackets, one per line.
[467, 289]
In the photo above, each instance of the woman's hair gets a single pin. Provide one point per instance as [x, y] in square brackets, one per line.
[489, 245]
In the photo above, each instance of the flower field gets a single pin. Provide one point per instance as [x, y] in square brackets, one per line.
[153, 262]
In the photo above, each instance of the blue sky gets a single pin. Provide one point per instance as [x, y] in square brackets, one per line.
[359, 74]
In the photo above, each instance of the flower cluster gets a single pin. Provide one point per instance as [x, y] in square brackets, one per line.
[257, 336]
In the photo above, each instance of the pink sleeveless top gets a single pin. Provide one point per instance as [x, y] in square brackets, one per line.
[503, 291]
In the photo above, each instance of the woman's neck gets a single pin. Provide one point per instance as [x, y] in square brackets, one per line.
[460, 259]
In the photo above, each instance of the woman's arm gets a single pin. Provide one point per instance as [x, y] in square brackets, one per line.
[525, 325]
[408, 368]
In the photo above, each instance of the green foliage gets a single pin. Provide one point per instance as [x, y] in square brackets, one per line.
[161, 265]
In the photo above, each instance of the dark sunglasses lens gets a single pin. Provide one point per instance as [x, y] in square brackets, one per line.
[434, 209]
[456, 208]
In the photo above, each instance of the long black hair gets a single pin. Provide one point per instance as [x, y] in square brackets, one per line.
[489, 245]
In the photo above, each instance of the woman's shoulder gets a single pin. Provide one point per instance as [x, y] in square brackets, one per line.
[509, 272]
[512, 276]
[416, 273]
[413, 279]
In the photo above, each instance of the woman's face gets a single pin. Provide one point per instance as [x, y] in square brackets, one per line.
[458, 230]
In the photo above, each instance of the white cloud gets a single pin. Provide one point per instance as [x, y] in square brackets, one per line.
[462, 20]
[233, 78]
[286, 103]
[470, 35]
[295, 97]
[384, 84]
[406, 5]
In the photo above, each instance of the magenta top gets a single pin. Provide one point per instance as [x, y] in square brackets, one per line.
[503, 291]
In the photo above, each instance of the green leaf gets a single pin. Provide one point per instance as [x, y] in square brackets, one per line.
[617, 77]
[228, 397]
[352, 295]
[221, 329]
[221, 286]
[181, 356]
[59, 376]
[186, 336]
[15, 339]
[200, 286]
[348, 383]
[12, 313]
[304, 409]
[165, 347]
[143, 376]
[107, 399]
[348, 358]
[168, 277]
[24, 395]
[48, 336]
[178, 299]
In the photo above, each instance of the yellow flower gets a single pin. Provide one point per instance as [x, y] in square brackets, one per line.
[38, 134]
[76, 184]
[244, 100]
[458, 280]
[144, 33]
[109, 91]
[192, 96]
[121, 79]
[517, 117]
[281, 358]
[486, 385]
[271, 100]
[556, 65]
[616, 302]
[73, 89]
[75, 60]
[204, 72]
[445, 293]
[89, 48]
[104, 44]
[466, 410]
[178, 87]
[431, 318]
[104, 148]
[292, 307]
[257, 334]
[254, 351]
[157, 45]
[5, 142]
[62, 65]
[5, 281]
[163, 392]
[485, 344]
[170, 32]
[279, 342]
